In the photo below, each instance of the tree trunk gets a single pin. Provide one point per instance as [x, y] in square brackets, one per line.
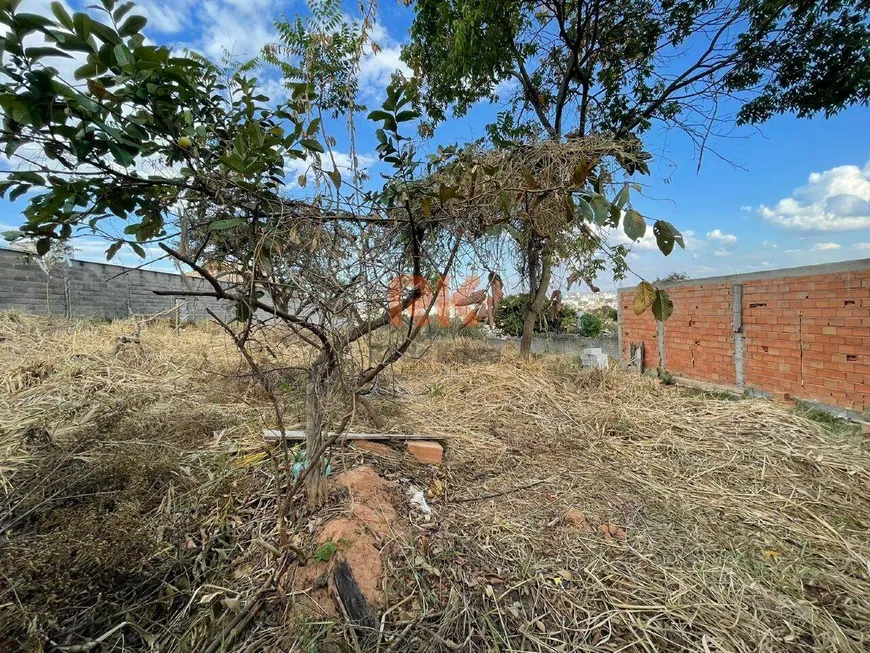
[537, 297]
[318, 384]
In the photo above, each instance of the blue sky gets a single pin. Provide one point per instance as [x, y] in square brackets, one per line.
[797, 194]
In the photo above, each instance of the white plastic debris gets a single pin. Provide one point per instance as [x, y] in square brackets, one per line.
[418, 499]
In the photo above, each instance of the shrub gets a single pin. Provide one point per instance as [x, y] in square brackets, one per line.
[512, 311]
[607, 313]
[510, 314]
[591, 325]
[673, 276]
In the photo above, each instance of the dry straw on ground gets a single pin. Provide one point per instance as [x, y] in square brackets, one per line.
[577, 510]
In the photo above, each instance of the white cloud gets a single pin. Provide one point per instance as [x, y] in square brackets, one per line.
[834, 200]
[722, 240]
[826, 246]
[378, 64]
[213, 27]
[861, 246]
[793, 251]
[721, 253]
[166, 17]
[769, 245]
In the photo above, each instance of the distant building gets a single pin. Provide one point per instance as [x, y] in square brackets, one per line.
[584, 302]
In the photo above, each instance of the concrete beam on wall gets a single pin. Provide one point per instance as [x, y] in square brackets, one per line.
[619, 325]
[660, 338]
[857, 265]
[737, 325]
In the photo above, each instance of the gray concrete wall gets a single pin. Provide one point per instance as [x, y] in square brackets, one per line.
[84, 289]
[563, 344]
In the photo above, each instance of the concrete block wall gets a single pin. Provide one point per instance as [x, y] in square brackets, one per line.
[801, 333]
[568, 344]
[85, 289]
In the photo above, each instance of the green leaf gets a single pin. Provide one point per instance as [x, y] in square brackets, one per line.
[18, 192]
[220, 225]
[12, 146]
[35, 54]
[105, 33]
[302, 181]
[113, 249]
[585, 209]
[61, 14]
[335, 175]
[139, 250]
[426, 206]
[666, 235]
[311, 144]
[30, 22]
[662, 306]
[446, 192]
[90, 69]
[404, 116]
[14, 234]
[28, 177]
[621, 197]
[132, 25]
[42, 246]
[122, 156]
[644, 296]
[123, 55]
[601, 209]
[313, 126]
[82, 23]
[615, 215]
[634, 225]
[122, 10]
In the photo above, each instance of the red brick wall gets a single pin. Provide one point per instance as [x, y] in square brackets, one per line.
[810, 337]
[807, 337]
[699, 339]
[637, 329]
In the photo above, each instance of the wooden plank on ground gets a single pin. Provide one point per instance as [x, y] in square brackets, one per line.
[274, 435]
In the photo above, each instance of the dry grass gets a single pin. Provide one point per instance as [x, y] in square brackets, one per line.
[746, 524]
[116, 503]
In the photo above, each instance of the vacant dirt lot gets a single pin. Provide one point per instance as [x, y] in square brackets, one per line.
[576, 509]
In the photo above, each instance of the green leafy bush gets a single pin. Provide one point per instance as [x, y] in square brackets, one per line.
[591, 325]
[511, 314]
[607, 313]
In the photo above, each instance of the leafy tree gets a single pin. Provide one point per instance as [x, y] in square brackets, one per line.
[673, 276]
[582, 67]
[193, 157]
[510, 317]
[591, 325]
[585, 66]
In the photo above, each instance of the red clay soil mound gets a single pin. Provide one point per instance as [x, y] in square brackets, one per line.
[359, 537]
